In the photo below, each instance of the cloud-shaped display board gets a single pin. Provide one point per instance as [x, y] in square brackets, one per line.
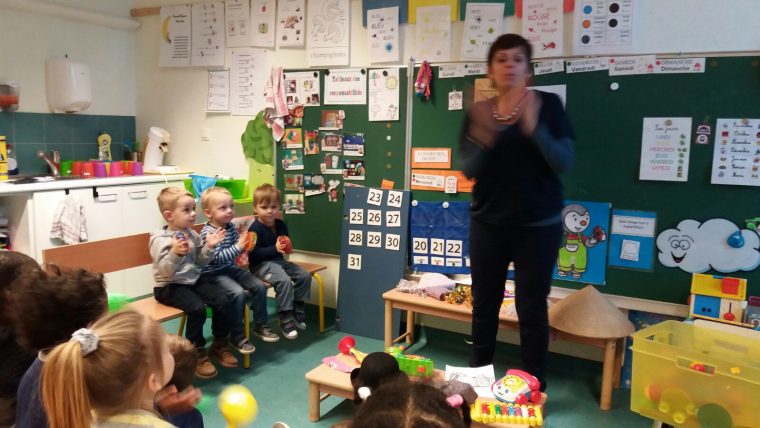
[698, 247]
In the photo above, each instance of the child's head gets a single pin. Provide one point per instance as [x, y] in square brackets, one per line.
[185, 361]
[15, 268]
[406, 404]
[266, 203]
[116, 365]
[177, 206]
[217, 205]
[67, 299]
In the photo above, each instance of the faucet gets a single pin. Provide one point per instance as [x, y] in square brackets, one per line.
[53, 164]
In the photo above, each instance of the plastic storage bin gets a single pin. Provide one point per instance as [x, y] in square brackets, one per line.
[695, 376]
[236, 187]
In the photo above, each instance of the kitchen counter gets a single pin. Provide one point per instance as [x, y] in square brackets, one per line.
[7, 188]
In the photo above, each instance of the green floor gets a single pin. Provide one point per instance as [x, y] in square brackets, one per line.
[276, 378]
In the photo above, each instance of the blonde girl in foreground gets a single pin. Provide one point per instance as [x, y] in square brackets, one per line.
[107, 376]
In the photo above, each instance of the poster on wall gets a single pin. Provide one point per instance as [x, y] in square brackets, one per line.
[481, 27]
[175, 37]
[665, 143]
[237, 16]
[208, 35]
[218, 98]
[382, 35]
[328, 37]
[383, 94]
[402, 5]
[583, 252]
[302, 87]
[736, 157]
[542, 26]
[603, 27]
[632, 239]
[346, 86]
[262, 23]
[290, 23]
[248, 75]
[434, 33]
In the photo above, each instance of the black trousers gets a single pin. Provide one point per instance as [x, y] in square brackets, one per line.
[534, 253]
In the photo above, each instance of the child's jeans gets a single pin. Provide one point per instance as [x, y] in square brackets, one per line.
[290, 282]
[191, 299]
[233, 282]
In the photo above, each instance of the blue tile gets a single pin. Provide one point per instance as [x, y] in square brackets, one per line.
[128, 127]
[84, 129]
[66, 150]
[29, 128]
[58, 128]
[6, 126]
[112, 126]
[117, 151]
[85, 151]
[28, 162]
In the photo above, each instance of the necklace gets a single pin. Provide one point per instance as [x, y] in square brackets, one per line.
[513, 114]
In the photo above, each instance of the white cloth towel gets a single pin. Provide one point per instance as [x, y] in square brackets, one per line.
[275, 104]
[69, 222]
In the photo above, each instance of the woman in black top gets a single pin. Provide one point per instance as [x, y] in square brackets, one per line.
[515, 145]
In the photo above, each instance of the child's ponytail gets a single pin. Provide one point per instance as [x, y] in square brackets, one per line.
[64, 392]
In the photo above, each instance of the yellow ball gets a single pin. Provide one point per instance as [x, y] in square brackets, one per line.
[238, 405]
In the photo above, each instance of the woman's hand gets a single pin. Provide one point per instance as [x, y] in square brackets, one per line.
[482, 128]
[532, 109]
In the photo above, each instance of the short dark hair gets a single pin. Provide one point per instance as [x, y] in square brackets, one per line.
[15, 269]
[509, 41]
[48, 310]
[185, 361]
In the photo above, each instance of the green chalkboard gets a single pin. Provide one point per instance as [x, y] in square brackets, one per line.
[319, 230]
[608, 126]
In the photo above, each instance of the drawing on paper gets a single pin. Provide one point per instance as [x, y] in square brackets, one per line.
[328, 25]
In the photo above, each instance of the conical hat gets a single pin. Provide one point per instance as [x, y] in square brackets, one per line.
[588, 313]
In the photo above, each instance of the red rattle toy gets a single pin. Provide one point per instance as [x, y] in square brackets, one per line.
[284, 240]
[347, 346]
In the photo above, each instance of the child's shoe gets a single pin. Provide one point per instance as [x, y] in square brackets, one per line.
[263, 332]
[299, 315]
[223, 355]
[288, 327]
[245, 347]
[204, 369]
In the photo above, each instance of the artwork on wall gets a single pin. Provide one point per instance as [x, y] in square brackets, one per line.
[583, 254]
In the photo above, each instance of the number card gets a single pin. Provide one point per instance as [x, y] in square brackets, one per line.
[375, 239]
[375, 197]
[437, 246]
[354, 262]
[420, 246]
[392, 241]
[374, 218]
[393, 218]
[454, 248]
[355, 237]
[395, 198]
[356, 216]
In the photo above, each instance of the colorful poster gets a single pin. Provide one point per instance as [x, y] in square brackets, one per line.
[237, 15]
[603, 27]
[331, 165]
[482, 26]
[434, 33]
[542, 26]
[313, 184]
[263, 23]
[293, 138]
[328, 32]
[353, 144]
[346, 86]
[218, 99]
[292, 159]
[290, 23]
[402, 5]
[302, 87]
[382, 35]
[248, 75]
[665, 144]
[416, 5]
[736, 159]
[174, 50]
[311, 143]
[331, 142]
[632, 239]
[353, 169]
[583, 254]
[384, 94]
[332, 119]
[293, 182]
[208, 35]
[294, 203]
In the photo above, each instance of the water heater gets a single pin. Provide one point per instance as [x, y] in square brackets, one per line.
[69, 89]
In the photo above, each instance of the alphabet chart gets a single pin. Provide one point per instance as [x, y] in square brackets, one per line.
[373, 257]
[440, 237]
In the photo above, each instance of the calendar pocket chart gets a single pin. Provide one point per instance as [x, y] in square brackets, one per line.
[440, 237]
[373, 257]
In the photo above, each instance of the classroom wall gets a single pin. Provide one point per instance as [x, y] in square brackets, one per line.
[28, 39]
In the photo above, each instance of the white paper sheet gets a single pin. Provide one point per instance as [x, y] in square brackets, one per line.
[603, 27]
[346, 86]
[542, 26]
[248, 75]
[218, 99]
[263, 23]
[175, 37]
[329, 27]
[434, 33]
[456, 99]
[237, 15]
[302, 87]
[383, 94]
[480, 378]
[736, 159]
[665, 148]
[208, 35]
[559, 90]
[290, 23]
[482, 25]
[382, 35]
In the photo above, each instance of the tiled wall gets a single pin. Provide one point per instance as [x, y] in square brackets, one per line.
[74, 135]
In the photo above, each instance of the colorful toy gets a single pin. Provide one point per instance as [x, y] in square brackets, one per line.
[347, 346]
[718, 298]
[237, 405]
[676, 403]
[488, 412]
[412, 365]
[517, 387]
[282, 239]
[116, 302]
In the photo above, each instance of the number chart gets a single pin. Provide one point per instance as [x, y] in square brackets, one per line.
[373, 257]
[440, 237]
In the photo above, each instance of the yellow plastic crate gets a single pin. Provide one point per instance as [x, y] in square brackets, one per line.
[694, 376]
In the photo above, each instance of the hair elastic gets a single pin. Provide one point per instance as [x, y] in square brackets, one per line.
[87, 339]
[364, 392]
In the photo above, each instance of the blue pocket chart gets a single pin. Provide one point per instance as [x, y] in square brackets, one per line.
[440, 237]
[632, 239]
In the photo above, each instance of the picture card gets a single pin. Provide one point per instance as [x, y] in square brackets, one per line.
[331, 142]
[292, 159]
[311, 143]
[293, 138]
[353, 144]
[353, 169]
[294, 204]
[313, 184]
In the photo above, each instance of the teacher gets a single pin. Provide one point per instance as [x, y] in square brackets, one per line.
[515, 145]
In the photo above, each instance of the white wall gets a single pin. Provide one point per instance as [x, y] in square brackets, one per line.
[28, 39]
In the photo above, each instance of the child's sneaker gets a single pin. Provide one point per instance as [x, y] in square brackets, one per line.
[299, 315]
[288, 327]
[245, 347]
[263, 332]
[204, 369]
[223, 355]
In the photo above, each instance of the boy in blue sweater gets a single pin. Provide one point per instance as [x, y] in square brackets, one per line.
[222, 271]
[292, 284]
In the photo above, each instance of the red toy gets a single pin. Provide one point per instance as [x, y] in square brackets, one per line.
[284, 240]
[347, 346]
[517, 387]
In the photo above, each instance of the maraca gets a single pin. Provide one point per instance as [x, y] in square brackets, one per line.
[282, 239]
[346, 346]
[237, 405]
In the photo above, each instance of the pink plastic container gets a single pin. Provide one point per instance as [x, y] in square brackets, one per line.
[115, 170]
[100, 169]
[137, 168]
